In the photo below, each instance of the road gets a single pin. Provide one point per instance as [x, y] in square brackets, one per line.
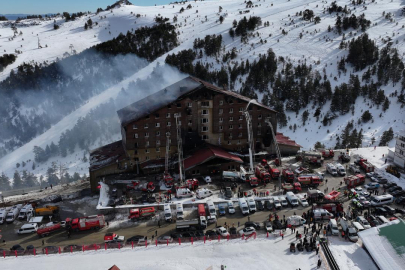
[86, 238]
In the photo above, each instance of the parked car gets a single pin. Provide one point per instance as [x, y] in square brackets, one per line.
[277, 225]
[72, 248]
[231, 208]
[188, 234]
[400, 200]
[268, 226]
[233, 231]
[363, 222]
[394, 188]
[164, 239]
[379, 211]
[388, 185]
[373, 221]
[353, 168]
[134, 239]
[364, 201]
[373, 179]
[50, 249]
[398, 193]
[390, 210]
[253, 224]
[269, 205]
[222, 231]
[372, 186]
[116, 243]
[364, 193]
[16, 247]
[176, 235]
[247, 231]
[228, 193]
[383, 181]
[199, 234]
[29, 249]
[259, 205]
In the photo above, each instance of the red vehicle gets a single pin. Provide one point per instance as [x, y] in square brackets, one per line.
[331, 207]
[354, 180]
[108, 237]
[333, 195]
[48, 228]
[262, 174]
[253, 181]
[274, 172]
[141, 213]
[168, 180]
[291, 187]
[86, 223]
[327, 153]
[201, 210]
[366, 166]
[288, 176]
[309, 180]
[192, 184]
[142, 186]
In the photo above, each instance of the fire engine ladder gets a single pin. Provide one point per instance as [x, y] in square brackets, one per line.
[167, 152]
[267, 120]
[180, 150]
[250, 138]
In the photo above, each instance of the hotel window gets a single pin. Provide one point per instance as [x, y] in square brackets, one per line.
[259, 132]
[146, 158]
[157, 125]
[158, 142]
[205, 103]
[158, 150]
[157, 133]
[204, 112]
[178, 105]
[230, 101]
[146, 150]
[221, 111]
[157, 116]
[240, 126]
[230, 135]
[221, 119]
[231, 118]
[240, 117]
[136, 136]
[190, 122]
[134, 126]
[204, 129]
[260, 116]
[146, 134]
[230, 126]
[238, 141]
[167, 115]
[230, 110]
[147, 144]
[221, 102]
[229, 142]
[146, 126]
[221, 128]
[169, 124]
[240, 135]
[240, 109]
[205, 137]
[204, 120]
[189, 104]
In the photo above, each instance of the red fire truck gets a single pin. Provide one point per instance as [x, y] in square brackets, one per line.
[354, 180]
[168, 180]
[332, 196]
[201, 210]
[327, 153]
[262, 173]
[309, 180]
[332, 207]
[253, 181]
[288, 176]
[274, 172]
[142, 186]
[192, 184]
[141, 213]
[86, 223]
[366, 166]
[48, 228]
[291, 187]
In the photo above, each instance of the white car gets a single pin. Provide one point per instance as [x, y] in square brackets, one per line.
[284, 202]
[364, 201]
[222, 231]
[268, 227]
[277, 203]
[231, 208]
[247, 231]
[358, 189]
[373, 179]
[208, 179]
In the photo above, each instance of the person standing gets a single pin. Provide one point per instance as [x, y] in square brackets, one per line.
[156, 233]
[317, 250]
[159, 223]
[319, 263]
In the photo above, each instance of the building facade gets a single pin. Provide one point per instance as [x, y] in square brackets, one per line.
[399, 155]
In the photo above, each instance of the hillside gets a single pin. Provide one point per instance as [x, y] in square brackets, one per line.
[312, 45]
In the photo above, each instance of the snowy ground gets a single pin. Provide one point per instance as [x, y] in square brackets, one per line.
[191, 25]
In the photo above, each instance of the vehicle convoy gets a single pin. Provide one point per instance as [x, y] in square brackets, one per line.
[48, 210]
[144, 186]
[354, 180]
[262, 173]
[187, 225]
[288, 176]
[48, 228]
[295, 187]
[141, 213]
[309, 180]
[86, 223]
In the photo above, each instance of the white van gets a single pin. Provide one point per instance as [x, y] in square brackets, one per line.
[203, 222]
[383, 219]
[243, 206]
[211, 208]
[340, 169]
[292, 199]
[333, 226]
[203, 193]
[12, 214]
[296, 220]
[381, 200]
[251, 204]
[179, 211]
[322, 214]
[357, 226]
[283, 201]
[168, 212]
[231, 208]
[25, 211]
[331, 169]
[3, 213]
[302, 200]
[348, 230]
[277, 203]
[184, 193]
[28, 228]
[211, 219]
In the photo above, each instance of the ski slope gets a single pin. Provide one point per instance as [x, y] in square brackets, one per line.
[191, 24]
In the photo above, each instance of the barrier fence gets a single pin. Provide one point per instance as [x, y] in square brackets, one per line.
[133, 245]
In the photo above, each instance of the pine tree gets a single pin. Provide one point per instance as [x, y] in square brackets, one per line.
[17, 182]
[4, 182]
[305, 117]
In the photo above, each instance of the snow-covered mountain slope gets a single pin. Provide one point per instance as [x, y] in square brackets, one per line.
[317, 47]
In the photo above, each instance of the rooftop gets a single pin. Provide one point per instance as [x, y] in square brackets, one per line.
[170, 94]
[107, 155]
[281, 139]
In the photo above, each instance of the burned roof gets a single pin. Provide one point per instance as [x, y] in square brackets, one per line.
[282, 139]
[170, 94]
[107, 155]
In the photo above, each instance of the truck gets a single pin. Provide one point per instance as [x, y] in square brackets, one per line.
[314, 158]
[192, 184]
[109, 237]
[309, 180]
[230, 176]
[187, 225]
[354, 180]
[315, 194]
[86, 223]
[168, 180]
[48, 210]
[144, 186]
[201, 210]
[48, 228]
[295, 187]
[327, 153]
[344, 157]
[221, 209]
[253, 181]
[262, 173]
[366, 166]
[332, 207]
[141, 213]
[288, 176]
[274, 172]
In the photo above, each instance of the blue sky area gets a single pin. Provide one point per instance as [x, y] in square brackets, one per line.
[55, 6]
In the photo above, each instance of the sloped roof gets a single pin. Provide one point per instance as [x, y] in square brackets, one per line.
[281, 139]
[168, 95]
[210, 152]
[107, 155]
